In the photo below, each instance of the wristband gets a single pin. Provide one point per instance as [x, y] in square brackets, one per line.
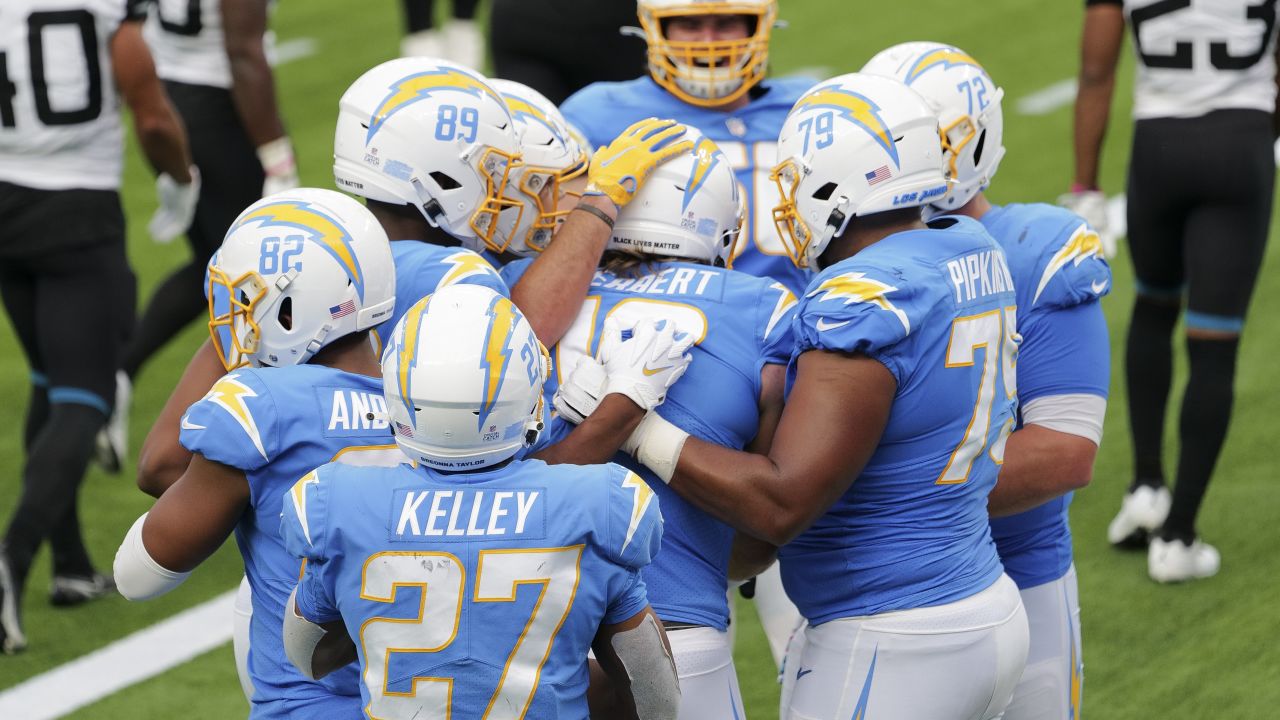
[276, 156]
[1079, 188]
[604, 216]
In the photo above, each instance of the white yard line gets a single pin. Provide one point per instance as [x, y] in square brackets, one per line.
[127, 661]
[296, 49]
[1043, 102]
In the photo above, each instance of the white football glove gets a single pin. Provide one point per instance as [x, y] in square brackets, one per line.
[644, 366]
[1091, 206]
[177, 206]
[279, 165]
[579, 395]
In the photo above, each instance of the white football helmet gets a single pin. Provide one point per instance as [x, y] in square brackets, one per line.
[967, 103]
[690, 207]
[707, 74]
[852, 145]
[435, 135]
[551, 157]
[296, 271]
[463, 378]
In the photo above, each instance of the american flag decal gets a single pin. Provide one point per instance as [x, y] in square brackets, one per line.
[877, 176]
[343, 310]
[405, 430]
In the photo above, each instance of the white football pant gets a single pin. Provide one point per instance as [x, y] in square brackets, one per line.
[243, 614]
[959, 661]
[708, 680]
[1052, 683]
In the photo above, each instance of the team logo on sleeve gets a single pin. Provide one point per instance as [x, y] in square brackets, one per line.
[641, 496]
[855, 108]
[497, 353]
[299, 496]
[786, 301]
[856, 287]
[1082, 245]
[230, 394]
[464, 264]
[316, 227]
[419, 86]
[946, 57]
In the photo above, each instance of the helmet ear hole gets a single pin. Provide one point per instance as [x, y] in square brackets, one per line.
[824, 193]
[977, 148]
[284, 315]
[444, 181]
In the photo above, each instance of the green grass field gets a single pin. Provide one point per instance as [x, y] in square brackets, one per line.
[1200, 650]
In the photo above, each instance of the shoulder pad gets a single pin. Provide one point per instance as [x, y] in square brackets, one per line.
[469, 268]
[1072, 269]
[855, 309]
[304, 513]
[777, 307]
[635, 522]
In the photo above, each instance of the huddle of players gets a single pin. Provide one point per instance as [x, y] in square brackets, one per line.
[874, 477]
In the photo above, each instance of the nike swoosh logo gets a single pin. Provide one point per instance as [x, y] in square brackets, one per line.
[1098, 286]
[802, 672]
[651, 373]
[187, 425]
[822, 324]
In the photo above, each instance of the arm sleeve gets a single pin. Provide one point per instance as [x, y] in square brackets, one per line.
[235, 424]
[316, 600]
[1064, 351]
[633, 521]
[303, 524]
[136, 9]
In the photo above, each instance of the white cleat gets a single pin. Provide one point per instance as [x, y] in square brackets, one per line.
[1141, 512]
[427, 43]
[464, 44]
[111, 446]
[1175, 561]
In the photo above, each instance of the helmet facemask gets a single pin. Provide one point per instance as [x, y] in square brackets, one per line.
[232, 305]
[709, 73]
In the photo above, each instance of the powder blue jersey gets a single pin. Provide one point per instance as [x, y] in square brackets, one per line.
[276, 425]
[470, 591]
[742, 323]
[1060, 273]
[936, 307]
[748, 137]
[422, 268]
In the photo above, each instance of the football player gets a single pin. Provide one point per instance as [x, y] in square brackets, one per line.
[474, 582]
[1063, 366]
[64, 276]
[901, 395]
[212, 56]
[1197, 230]
[707, 63]
[666, 260]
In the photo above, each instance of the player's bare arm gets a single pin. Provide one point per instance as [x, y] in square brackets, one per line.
[1100, 44]
[829, 428]
[598, 438]
[635, 657]
[162, 459]
[253, 87]
[1040, 464]
[159, 129]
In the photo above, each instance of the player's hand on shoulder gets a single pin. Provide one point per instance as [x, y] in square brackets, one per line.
[177, 206]
[620, 168]
[644, 366]
[1091, 206]
[279, 166]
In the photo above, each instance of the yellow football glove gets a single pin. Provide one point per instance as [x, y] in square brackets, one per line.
[620, 168]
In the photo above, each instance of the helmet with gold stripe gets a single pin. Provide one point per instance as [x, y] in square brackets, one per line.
[967, 102]
[434, 135]
[463, 378]
[852, 145]
[690, 207]
[296, 271]
[707, 70]
[551, 157]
